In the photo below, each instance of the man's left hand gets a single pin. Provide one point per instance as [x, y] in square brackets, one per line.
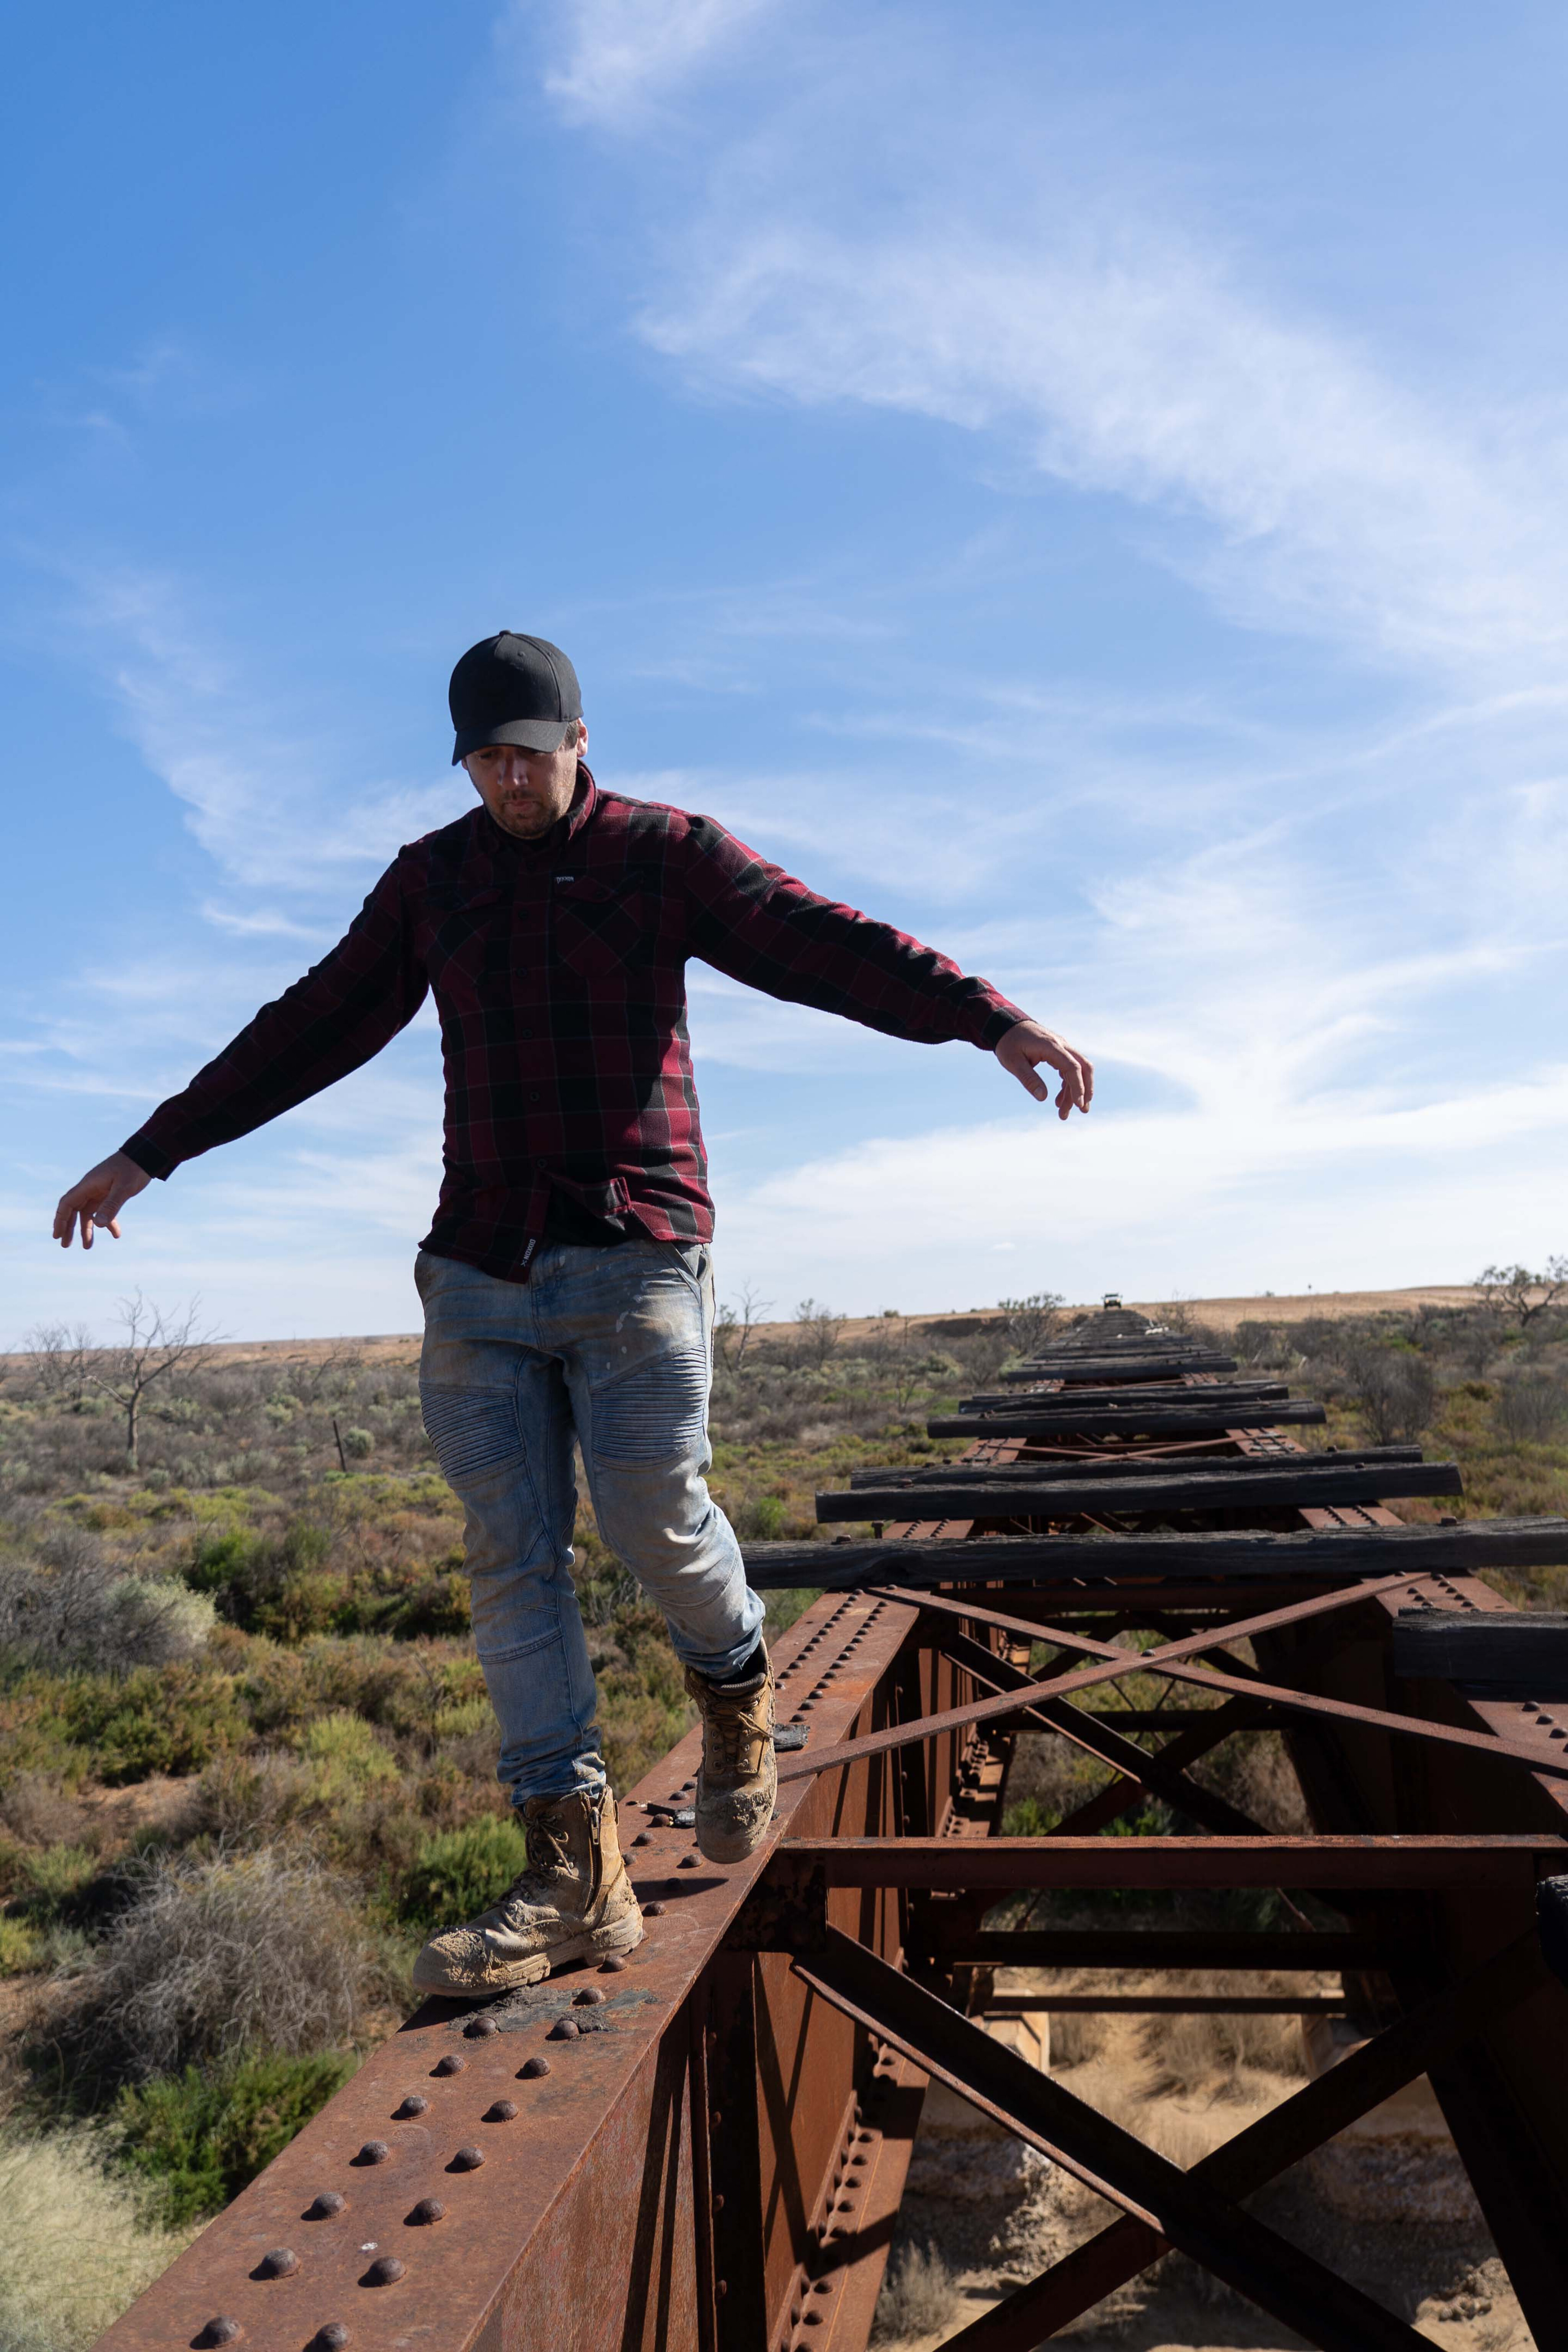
[1027, 1045]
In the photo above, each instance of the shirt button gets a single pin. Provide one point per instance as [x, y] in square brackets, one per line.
[533, 1098]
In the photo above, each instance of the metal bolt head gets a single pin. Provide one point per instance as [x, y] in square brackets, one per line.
[642, 1837]
[428, 2210]
[589, 1998]
[477, 2028]
[281, 2262]
[330, 2339]
[566, 2029]
[687, 1862]
[532, 2068]
[386, 2271]
[610, 1967]
[221, 2330]
[324, 2204]
[653, 1910]
[374, 2151]
[499, 2111]
[452, 2063]
[468, 2160]
[415, 2104]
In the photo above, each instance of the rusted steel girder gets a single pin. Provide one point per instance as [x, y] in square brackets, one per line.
[636, 2157]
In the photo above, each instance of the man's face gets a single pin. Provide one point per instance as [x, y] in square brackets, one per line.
[526, 791]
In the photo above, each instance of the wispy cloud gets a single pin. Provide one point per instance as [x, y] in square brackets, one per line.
[620, 57]
[265, 804]
[1334, 497]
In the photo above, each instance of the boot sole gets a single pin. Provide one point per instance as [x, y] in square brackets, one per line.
[598, 1943]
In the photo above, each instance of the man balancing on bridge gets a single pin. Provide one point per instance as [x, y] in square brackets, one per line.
[566, 1281]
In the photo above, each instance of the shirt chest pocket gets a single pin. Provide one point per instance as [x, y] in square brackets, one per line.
[470, 939]
[602, 927]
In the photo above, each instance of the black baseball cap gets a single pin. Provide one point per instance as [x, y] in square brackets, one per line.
[513, 689]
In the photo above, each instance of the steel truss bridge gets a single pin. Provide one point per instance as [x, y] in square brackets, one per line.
[705, 2145]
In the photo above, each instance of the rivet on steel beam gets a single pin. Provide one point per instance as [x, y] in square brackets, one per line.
[415, 2104]
[612, 1967]
[478, 2027]
[589, 1998]
[687, 1862]
[330, 2339]
[531, 2069]
[720, 2288]
[642, 1837]
[468, 2160]
[428, 2209]
[719, 2201]
[566, 2029]
[221, 2330]
[324, 2204]
[374, 2151]
[386, 2271]
[452, 2063]
[499, 2111]
[653, 1910]
[280, 2264]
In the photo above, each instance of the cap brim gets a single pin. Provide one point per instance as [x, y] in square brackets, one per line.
[527, 734]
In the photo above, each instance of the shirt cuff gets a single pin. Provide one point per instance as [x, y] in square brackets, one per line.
[151, 1160]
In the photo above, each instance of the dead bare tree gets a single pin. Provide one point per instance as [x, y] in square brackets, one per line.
[60, 1357]
[1522, 1295]
[819, 1329]
[155, 1345]
[735, 1324]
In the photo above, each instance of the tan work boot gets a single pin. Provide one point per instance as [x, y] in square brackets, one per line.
[738, 1779]
[574, 1902]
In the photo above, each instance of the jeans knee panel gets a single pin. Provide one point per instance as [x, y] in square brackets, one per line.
[656, 1413]
[470, 1429]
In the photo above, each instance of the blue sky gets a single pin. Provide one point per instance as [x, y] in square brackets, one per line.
[1085, 485]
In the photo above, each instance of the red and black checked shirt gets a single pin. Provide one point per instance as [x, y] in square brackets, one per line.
[559, 971]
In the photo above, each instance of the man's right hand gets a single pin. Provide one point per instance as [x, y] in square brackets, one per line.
[99, 1199]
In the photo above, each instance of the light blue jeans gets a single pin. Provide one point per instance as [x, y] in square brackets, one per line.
[611, 1347]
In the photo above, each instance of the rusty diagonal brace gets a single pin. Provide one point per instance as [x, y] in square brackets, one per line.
[1165, 1661]
[1195, 2215]
[1097, 1739]
[1267, 2148]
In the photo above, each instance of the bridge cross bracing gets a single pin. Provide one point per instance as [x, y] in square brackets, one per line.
[706, 2145]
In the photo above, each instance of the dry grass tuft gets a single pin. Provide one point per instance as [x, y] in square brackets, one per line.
[75, 2249]
[1217, 2057]
[918, 2299]
[1077, 2037]
[217, 1956]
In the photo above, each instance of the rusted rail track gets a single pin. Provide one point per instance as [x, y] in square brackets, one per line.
[706, 2146]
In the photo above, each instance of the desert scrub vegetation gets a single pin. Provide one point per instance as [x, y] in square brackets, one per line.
[247, 1756]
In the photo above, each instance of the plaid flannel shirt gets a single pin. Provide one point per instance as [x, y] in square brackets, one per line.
[558, 968]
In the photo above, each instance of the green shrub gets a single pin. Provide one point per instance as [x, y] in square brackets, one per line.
[302, 1603]
[761, 1519]
[53, 1877]
[158, 1720]
[346, 1744]
[358, 1444]
[461, 1873]
[201, 2137]
[439, 1605]
[21, 1948]
[219, 1557]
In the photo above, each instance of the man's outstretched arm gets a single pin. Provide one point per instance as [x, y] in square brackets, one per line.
[344, 1011]
[752, 919]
